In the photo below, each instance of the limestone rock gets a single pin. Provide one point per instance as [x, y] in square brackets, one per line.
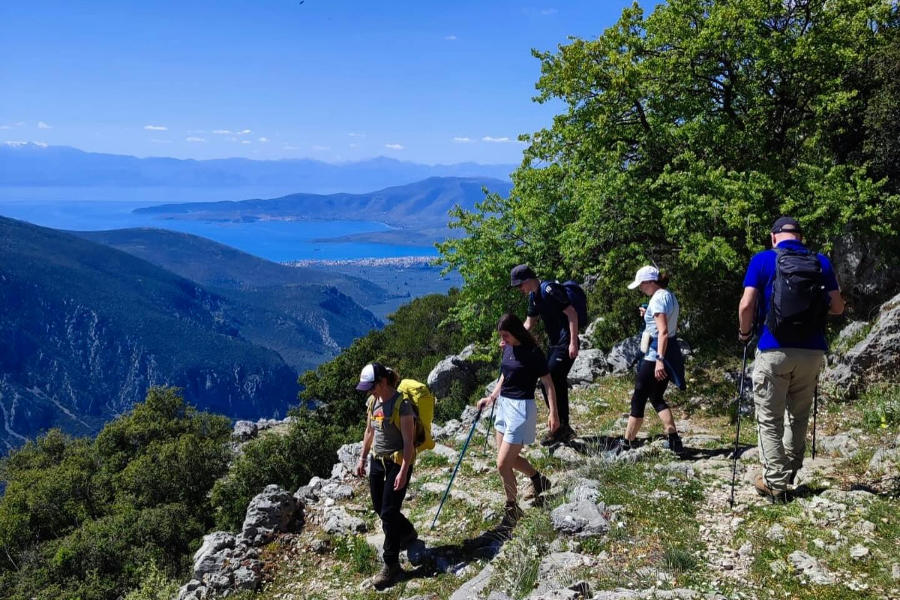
[244, 431]
[843, 445]
[862, 273]
[588, 366]
[246, 579]
[339, 522]
[810, 567]
[581, 519]
[585, 490]
[475, 586]
[269, 513]
[452, 370]
[336, 491]
[348, 455]
[209, 558]
[876, 354]
[624, 356]
[555, 569]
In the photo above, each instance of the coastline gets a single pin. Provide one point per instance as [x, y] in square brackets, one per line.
[406, 262]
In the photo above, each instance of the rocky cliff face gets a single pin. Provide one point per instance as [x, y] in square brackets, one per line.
[85, 330]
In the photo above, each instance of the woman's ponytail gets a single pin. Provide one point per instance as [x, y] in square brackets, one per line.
[663, 280]
[393, 378]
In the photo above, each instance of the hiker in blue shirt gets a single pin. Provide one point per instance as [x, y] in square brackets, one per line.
[549, 301]
[786, 368]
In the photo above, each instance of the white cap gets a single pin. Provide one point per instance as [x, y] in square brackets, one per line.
[644, 274]
[366, 378]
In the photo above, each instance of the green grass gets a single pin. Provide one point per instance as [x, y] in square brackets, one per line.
[880, 406]
[355, 551]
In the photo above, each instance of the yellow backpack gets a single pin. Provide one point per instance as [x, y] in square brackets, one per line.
[423, 404]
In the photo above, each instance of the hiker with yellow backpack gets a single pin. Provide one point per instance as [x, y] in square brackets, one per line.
[398, 424]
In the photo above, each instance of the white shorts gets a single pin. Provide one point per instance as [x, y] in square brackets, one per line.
[516, 420]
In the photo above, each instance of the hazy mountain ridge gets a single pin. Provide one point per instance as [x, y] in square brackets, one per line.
[85, 329]
[36, 165]
[420, 205]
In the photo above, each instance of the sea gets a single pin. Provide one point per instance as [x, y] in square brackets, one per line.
[104, 208]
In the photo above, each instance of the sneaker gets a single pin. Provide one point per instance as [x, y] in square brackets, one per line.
[409, 539]
[511, 515]
[763, 489]
[675, 443]
[388, 575]
[539, 485]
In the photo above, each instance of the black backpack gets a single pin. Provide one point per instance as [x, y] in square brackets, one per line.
[577, 298]
[798, 308]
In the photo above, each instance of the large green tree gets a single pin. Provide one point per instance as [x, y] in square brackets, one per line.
[686, 132]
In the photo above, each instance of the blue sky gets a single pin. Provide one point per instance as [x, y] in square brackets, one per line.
[336, 80]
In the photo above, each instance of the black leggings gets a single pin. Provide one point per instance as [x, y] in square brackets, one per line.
[648, 387]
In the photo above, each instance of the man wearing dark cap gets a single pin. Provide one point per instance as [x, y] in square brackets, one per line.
[787, 363]
[548, 300]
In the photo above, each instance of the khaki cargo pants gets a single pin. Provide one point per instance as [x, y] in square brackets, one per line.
[784, 382]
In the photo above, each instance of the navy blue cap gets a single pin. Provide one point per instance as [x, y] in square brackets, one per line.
[786, 225]
[520, 274]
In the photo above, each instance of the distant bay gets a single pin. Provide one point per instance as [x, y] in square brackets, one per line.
[97, 209]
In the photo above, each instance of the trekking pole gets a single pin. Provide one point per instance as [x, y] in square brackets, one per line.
[815, 412]
[737, 436]
[487, 431]
[458, 462]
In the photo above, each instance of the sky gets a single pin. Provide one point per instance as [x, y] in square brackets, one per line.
[334, 80]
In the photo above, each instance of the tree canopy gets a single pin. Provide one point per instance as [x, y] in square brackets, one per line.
[686, 133]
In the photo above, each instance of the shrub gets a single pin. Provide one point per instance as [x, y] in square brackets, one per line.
[880, 405]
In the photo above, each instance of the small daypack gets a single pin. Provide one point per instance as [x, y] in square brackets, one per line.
[423, 404]
[577, 298]
[798, 307]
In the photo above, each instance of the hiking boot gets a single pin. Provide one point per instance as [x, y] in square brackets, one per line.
[539, 485]
[511, 515]
[409, 539]
[675, 443]
[763, 489]
[388, 575]
[563, 435]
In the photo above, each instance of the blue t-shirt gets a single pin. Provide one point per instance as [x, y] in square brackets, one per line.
[761, 275]
[663, 302]
[549, 303]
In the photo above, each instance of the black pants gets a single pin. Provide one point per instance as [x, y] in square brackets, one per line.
[387, 504]
[560, 364]
[648, 387]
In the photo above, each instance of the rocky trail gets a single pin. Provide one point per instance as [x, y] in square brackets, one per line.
[639, 524]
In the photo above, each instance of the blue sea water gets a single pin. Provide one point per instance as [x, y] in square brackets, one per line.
[98, 209]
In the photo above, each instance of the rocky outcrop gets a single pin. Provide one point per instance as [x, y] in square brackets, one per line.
[459, 370]
[624, 356]
[588, 367]
[876, 357]
[864, 276]
[226, 563]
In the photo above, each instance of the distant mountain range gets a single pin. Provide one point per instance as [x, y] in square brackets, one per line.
[38, 165]
[420, 208]
[85, 328]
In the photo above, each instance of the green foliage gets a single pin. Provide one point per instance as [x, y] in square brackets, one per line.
[83, 519]
[290, 460]
[412, 343]
[155, 585]
[685, 133]
[880, 405]
[355, 550]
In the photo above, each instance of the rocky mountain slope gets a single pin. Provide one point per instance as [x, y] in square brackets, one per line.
[86, 329]
[639, 524]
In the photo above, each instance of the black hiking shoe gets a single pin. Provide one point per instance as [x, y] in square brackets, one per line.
[675, 443]
[511, 515]
[563, 435]
[539, 485]
[388, 575]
